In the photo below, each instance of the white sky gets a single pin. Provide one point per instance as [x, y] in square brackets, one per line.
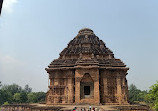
[8, 5]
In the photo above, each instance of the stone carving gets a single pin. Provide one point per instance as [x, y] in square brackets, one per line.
[87, 72]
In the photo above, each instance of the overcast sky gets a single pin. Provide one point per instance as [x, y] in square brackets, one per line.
[34, 32]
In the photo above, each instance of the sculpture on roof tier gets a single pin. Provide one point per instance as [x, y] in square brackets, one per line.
[87, 72]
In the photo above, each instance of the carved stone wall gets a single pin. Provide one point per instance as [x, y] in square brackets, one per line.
[87, 72]
[113, 87]
[94, 74]
[61, 87]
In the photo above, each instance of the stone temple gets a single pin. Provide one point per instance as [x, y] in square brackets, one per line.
[87, 72]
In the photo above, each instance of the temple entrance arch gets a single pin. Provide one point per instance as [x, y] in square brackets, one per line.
[86, 86]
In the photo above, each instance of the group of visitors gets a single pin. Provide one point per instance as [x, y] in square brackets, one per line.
[84, 109]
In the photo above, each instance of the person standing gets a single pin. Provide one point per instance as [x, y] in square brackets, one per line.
[90, 107]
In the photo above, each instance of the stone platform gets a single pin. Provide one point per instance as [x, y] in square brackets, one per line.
[44, 107]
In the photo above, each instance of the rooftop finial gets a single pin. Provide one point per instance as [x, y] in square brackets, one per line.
[86, 31]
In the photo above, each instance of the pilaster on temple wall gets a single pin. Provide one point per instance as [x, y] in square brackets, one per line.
[114, 88]
[70, 86]
[61, 87]
[122, 87]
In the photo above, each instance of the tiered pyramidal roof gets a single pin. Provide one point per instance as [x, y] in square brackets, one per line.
[86, 49]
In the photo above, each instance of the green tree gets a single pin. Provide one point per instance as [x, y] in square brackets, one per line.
[17, 98]
[2, 97]
[40, 96]
[16, 94]
[6, 103]
[5, 96]
[8, 91]
[35, 97]
[14, 88]
[23, 97]
[152, 96]
[32, 97]
[135, 94]
[27, 89]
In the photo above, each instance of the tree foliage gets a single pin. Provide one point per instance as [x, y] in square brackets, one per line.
[36, 97]
[0, 83]
[152, 96]
[14, 88]
[5, 96]
[16, 94]
[40, 96]
[27, 89]
[31, 97]
[16, 97]
[135, 94]
[23, 97]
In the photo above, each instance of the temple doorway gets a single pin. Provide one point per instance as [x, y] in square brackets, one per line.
[86, 90]
[86, 87]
